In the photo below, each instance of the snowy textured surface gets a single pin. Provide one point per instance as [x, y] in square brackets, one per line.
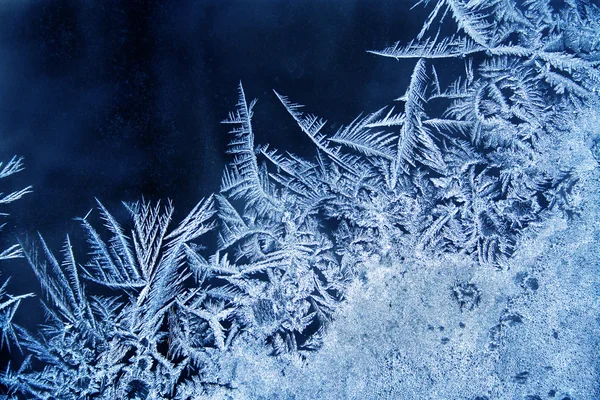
[444, 247]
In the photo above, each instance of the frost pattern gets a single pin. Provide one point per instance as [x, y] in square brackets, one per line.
[417, 249]
[9, 303]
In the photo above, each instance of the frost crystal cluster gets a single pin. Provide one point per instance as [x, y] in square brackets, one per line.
[445, 247]
[8, 303]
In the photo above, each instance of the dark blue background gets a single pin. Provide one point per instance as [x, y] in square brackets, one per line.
[116, 100]
[120, 99]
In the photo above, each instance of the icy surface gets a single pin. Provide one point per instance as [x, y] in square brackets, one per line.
[444, 247]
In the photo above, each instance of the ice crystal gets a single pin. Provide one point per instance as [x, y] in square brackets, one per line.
[416, 255]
